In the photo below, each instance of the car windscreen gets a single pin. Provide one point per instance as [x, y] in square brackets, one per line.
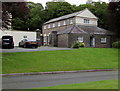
[32, 40]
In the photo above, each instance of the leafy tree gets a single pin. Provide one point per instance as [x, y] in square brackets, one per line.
[57, 9]
[101, 11]
[18, 24]
[18, 10]
[114, 17]
[35, 17]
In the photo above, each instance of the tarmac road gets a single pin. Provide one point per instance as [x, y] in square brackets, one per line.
[34, 81]
[20, 49]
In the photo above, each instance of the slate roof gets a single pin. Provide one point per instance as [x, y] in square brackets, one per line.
[85, 30]
[65, 17]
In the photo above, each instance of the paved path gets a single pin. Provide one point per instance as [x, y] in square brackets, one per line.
[19, 49]
[34, 81]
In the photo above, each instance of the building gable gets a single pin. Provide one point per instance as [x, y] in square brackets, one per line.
[87, 13]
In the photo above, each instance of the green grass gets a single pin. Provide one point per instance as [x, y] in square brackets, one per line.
[105, 84]
[62, 60]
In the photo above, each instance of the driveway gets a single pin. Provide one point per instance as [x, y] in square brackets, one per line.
[34, 81]
[42, 48]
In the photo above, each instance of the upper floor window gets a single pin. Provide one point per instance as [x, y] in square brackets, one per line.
[44, 27]
[53, 24]
[59, 24]
[24, 36]
[103, 40]
[71, 21]
[49, 26]
[86, 21]
[64, 23]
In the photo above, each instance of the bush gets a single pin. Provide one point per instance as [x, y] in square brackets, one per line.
[116, 44]
[78, 44]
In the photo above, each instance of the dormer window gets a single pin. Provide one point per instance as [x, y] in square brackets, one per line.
[71, 21]
[53, 24]
[87, 21]
[59, 24]
[64, 23]
[49, 26]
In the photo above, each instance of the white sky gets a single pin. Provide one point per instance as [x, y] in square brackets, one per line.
[76, 2]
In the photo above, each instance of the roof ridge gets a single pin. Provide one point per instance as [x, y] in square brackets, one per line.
[81, 29]
[72, 28]
[74, 14]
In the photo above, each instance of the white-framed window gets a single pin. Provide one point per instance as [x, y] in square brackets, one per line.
[103, 40]
[80, 39]
[24, 36]
[49, 26]
[64, 22]
[59, 24]
[71, 21]
[53, 24]
[86, 21]
[44, 27]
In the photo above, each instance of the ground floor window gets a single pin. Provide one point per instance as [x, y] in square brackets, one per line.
[103, 40]
[80, 39]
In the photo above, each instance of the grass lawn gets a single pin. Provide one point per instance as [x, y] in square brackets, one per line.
[105, 84]
[62, 60]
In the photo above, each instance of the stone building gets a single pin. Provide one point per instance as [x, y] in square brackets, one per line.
[79, 26]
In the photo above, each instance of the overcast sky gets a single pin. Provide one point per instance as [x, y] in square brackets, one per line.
[76, 2]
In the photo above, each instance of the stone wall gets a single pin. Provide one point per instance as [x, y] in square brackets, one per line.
[74, 37]
[103, 45]
[86, 39]
[67, 40]
[63, 40]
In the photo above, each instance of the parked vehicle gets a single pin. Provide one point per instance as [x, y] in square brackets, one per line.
[7, 42]
[28, 43]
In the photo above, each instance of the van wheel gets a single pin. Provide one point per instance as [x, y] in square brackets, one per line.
[12, 47]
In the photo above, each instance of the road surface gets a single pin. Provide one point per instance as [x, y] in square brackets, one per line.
[19, 49]
[34, 81]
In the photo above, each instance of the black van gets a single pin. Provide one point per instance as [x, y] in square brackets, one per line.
[7, 42]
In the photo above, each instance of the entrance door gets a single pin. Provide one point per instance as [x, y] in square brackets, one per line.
[92, 41]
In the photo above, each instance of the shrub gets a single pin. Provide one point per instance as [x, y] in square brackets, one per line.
[116, 44]
[78, 44]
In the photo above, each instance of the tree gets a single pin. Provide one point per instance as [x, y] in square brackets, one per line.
[57, 9]
[17, 9]
[114, 17]
[101, 12]
[36, 16]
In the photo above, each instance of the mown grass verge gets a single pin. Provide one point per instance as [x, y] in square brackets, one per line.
[105, 84]
[62, 60]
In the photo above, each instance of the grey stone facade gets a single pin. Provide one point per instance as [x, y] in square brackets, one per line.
[80, 26]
